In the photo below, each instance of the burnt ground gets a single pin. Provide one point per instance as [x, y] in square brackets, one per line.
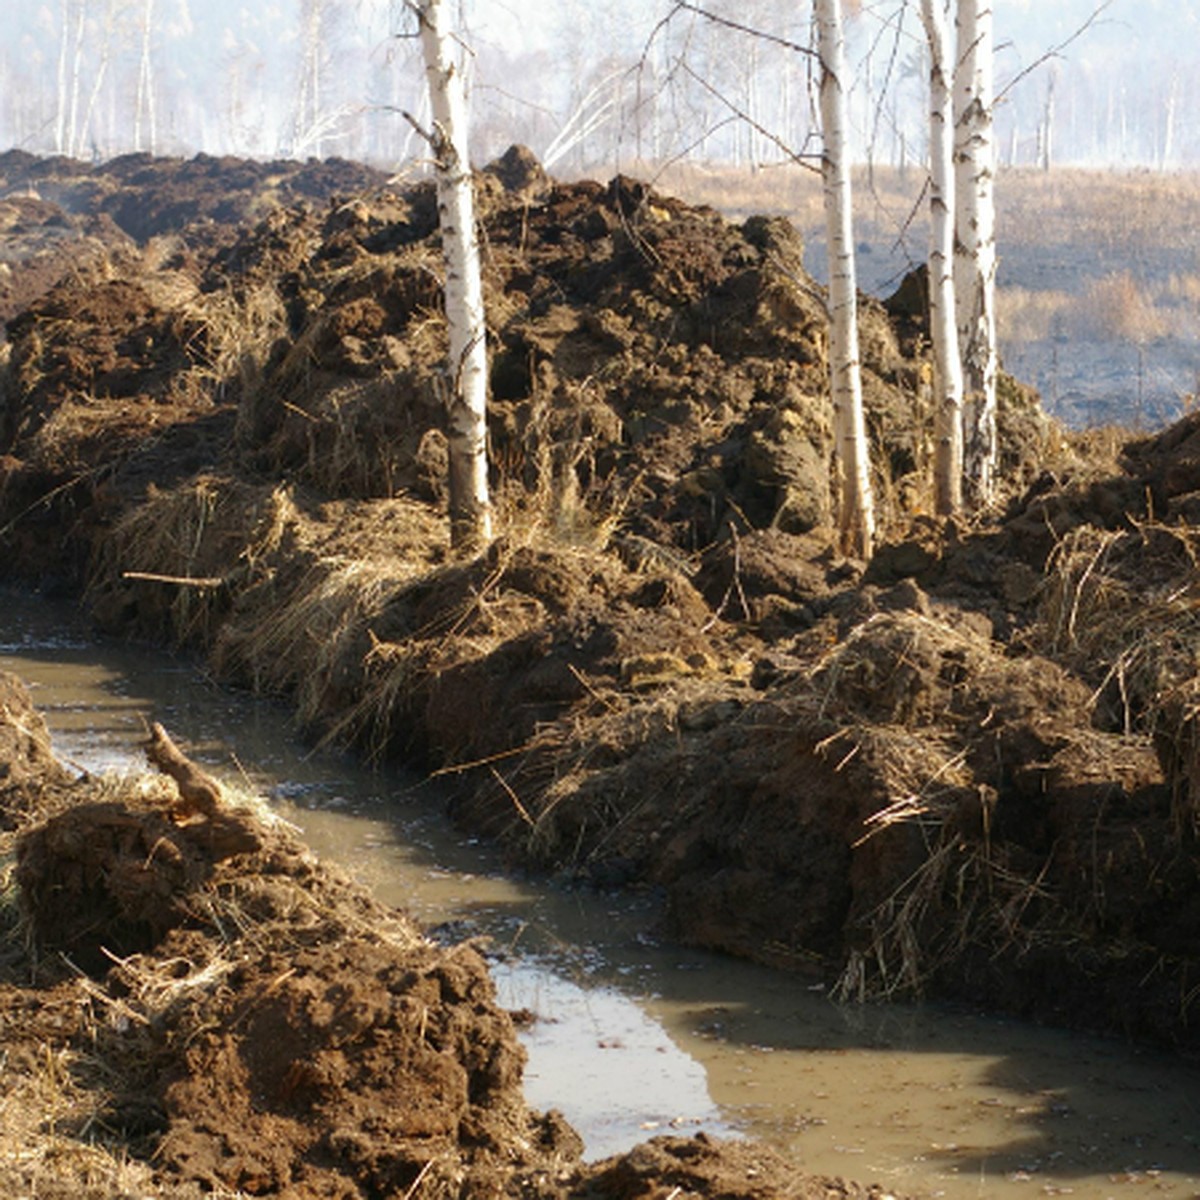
[963, 769]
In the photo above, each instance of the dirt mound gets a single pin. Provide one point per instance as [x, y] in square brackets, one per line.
[264, 1023]
[351, 1063]
[701, 1166]
[939, 799]
[27, 762]
[888, 772]
[644, 350]
[252, 1022]
[147, 196]
[40, 244]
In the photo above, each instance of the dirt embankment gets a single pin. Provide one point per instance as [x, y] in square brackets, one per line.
[966, 767]
[192, 1004]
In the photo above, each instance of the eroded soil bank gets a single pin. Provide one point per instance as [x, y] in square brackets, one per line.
[965, 768]
[192, 1004]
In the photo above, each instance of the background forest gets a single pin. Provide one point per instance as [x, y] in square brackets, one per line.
[585, 85]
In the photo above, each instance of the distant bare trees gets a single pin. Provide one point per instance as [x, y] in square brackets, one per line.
[145, 120]
[88, 42]
[70, 69]
[240, 77]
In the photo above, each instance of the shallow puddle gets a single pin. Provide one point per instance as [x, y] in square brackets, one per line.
[634, 1037]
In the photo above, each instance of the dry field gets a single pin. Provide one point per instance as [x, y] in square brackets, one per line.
[1099, 301]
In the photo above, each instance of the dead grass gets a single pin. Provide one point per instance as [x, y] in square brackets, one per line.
[1032, 315]
[303, 646]
[74, 1059]
[203, 540]
[1123, 611]
[1116, 307]
[234, 333]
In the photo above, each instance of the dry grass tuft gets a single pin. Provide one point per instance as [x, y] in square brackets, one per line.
[200, 541]
[301, 646]
[234, 334]
[1122, 609]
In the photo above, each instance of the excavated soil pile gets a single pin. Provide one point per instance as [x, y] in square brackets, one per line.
[967, 766]
[146, 196]
[193, 1004]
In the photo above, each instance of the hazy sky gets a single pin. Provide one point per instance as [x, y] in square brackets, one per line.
[227, 76]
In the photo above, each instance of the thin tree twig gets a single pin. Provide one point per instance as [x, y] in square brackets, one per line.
[728, 23]
[799, 157]
[1053, 52]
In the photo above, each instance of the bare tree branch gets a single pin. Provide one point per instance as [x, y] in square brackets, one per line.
[727, 23]
[800, 158]
[1054, 51]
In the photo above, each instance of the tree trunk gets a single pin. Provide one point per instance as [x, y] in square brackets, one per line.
[975, 245]
[98, 82]
[466, 400]
[60, 113]
[76, 69]
[306, 136]
[1046, 157]
[144, 101]
[947, 365]
[856, 517]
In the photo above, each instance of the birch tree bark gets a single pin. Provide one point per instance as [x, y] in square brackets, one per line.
[144, 100]
[60, 112]
[110, 14]
[975, 244]
[856, 510]
[947, 365]
[76, 71]
[467, 376]
[306, 137]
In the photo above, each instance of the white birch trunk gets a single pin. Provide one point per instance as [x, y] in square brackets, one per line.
[60, 114]
[975, 245]
[1046, 159]
[306, 138]
[144, 101]
[98, 82]
[947, 365]
[466, 401]
[1168, 145]
[76, 69]
[856, 515]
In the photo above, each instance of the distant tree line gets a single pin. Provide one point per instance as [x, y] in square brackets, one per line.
[588, 87]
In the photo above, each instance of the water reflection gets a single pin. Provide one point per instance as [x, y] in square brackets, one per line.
[635, 1036]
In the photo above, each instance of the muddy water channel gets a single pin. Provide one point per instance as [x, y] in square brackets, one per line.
[631, 1035]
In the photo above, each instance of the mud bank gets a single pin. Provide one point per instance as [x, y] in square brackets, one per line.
[192, 1003]
[964, 768]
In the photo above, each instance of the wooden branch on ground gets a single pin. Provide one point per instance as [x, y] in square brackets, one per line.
[198, 790]
[209, 581]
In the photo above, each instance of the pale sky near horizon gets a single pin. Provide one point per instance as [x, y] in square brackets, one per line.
[226, 70]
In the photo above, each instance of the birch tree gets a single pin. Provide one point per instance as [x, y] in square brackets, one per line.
[947, 365]
[72, 105]
[975, 244]
[856, 511]
[466, 376]
[60, 110]
[306, 134]
[144, 100]
[105, 53]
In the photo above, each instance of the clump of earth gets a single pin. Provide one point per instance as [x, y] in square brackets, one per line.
[193, 1005]
[965, 768]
